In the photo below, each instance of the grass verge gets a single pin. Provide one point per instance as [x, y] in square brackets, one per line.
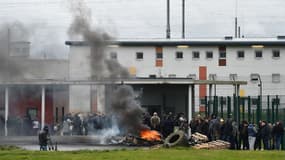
[143, 154]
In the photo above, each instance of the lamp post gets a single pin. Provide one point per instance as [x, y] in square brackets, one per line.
[260, 94]
[260, 88]
[256, 77]
[259, 106]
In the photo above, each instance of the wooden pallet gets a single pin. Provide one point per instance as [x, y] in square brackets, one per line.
[219, 144]
[199, 137]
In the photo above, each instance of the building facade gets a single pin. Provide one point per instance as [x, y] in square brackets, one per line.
[167, 75]
[258, 61]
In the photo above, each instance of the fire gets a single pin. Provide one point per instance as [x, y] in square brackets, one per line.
[150, 135]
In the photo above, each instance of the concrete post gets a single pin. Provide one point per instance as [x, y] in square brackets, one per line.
[43, 107]
[6, 109]
[191, 104]
[210, 99]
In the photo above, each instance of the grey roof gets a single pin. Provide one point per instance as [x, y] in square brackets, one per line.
[131, 81]
[191, 42]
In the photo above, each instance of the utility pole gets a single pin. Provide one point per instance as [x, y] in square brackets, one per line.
[183, 19]
[168, 20]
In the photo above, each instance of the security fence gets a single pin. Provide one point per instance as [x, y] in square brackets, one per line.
[253, 109]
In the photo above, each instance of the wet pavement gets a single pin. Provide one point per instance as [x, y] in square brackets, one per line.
[80, 147]
[65, 143]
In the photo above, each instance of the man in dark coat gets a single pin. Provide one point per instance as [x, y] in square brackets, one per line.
[278, 132]
[265, 134]
[44, 138]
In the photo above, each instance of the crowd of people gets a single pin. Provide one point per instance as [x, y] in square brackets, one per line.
[18, 126]
[79, 124]
[241, 136]
[247, 136]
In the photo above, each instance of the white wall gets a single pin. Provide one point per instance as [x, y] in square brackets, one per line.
[79, 69]
[79, 98]
[265, 66]
[79, 63]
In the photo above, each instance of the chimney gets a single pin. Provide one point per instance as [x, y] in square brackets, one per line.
[168, 20]
[238, 31]
[236, 27]
[183, 19]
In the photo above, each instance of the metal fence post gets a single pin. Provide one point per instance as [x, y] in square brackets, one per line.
[222, 106]
[258, 110]
[216, 105]
[229, 112]
[283, 138]
[238, 109]
[243, 108]
[206, 106]
[268, 110]
[249, 109]
[277, 106]
[235, 107]
[209, 108]
[272, 110]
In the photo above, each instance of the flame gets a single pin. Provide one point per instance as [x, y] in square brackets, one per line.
[150, 135]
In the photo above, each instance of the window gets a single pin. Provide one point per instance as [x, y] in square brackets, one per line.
[222, 62]
[139, 55]
[275, 78]
[258, 54]
[240, 54]
[113, 55]
[223, 55]
[276, 53]
[254, 77]
[192, 76]
[212, 77]
[233, 77]
[159, 56]
[179, 55]
[196, 54]
[209, 54]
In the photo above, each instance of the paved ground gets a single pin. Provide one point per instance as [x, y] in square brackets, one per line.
[65, 143]
[79, 147]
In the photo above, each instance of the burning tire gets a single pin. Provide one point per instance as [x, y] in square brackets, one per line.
[176, 139]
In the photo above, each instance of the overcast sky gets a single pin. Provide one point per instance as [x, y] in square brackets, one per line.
[49, 20]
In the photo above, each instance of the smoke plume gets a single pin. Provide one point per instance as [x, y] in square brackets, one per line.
[10, 69]
[97, 39]
[123, 104]
[128, 109]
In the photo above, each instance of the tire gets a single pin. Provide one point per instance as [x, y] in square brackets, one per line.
[177, 138]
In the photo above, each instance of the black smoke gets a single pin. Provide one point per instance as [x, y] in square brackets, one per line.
[9, 69]
[123, 105]
[127, 110]
[98, 40]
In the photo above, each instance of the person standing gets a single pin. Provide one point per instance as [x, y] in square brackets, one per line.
[244, 135]
[251, 129]
[265, 135]
[155, 122]
[278, 132]
[44, 138]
